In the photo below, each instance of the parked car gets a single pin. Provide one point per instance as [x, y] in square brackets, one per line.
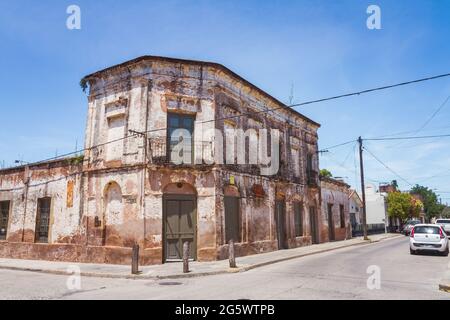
[428, 237]
[445, 224]
[409, 225]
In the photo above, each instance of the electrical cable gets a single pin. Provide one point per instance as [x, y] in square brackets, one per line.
[265, 111]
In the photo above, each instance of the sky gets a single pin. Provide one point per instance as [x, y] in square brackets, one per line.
[307, 49]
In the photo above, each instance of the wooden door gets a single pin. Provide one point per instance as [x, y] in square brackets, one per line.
[179, 226]
[280, 218]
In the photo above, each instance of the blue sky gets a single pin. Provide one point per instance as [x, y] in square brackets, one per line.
[320, 48]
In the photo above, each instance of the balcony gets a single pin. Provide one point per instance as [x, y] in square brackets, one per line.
[159, 153]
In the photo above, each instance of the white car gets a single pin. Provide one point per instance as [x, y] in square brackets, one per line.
[428, 237]
[445, 224]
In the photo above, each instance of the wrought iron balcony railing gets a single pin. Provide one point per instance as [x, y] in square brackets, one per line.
[160, 153]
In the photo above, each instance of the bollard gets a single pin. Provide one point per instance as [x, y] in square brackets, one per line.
[231, 255]
[135, 259]
[186, 257]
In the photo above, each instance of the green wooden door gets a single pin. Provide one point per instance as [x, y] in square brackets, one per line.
[179, 226]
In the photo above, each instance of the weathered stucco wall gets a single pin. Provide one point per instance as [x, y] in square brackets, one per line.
[335, 193]
[119, 188]
[24, 186]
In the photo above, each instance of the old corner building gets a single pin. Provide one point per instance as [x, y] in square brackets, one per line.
[125, 190]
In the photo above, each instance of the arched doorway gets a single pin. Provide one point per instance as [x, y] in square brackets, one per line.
[179, 221]
[113, 213]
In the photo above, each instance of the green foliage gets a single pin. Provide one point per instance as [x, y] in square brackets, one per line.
[326, 173]
[76, 160]
[430, 201]
[446, 212]
[394, 183]
[403, 206]
[84, 84]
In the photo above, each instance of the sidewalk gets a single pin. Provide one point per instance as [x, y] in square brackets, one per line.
[174, 270]
[444, 284]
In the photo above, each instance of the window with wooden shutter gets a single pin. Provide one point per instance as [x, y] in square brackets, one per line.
[232, 219]
[43, 220]
[298, 219]
[4, 218]
[342, 215]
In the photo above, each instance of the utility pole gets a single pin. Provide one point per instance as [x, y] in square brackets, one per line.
[363, 188]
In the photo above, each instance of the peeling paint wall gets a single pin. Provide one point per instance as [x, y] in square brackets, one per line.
[23, 187]
[335, 193]
[115, 197]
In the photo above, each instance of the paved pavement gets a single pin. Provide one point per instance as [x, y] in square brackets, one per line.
[338, 274]
[174, 270]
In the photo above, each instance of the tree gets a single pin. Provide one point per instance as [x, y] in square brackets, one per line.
[403, 206]
[326, 173]
[430, 201]
[446, 212]
[394, 183]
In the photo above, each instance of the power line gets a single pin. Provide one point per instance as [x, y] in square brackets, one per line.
[338, 145]
[372, 90]
[408, 138]
[334, 160]
[348, 155]
[333, 97]
[355, 164]
[435, 176]
[408, 132]
[78, 152]
[266, 111]
[387, 167]
[428, 120]
[433, 115]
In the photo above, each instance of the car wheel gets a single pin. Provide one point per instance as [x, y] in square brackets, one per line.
[411, 251]
[445, 253]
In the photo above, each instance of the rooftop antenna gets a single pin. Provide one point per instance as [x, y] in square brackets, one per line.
[291, 95]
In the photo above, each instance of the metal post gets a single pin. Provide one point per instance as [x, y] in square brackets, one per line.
[363, 188]
[231, 255]
[186, 257]
[135, 259]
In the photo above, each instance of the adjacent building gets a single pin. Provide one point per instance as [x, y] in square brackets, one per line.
[127, 189]
[376, 211]
[335, 221]
[356, 212]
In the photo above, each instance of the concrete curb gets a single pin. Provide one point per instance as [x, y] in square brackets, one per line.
[444, 284]
[194, 275]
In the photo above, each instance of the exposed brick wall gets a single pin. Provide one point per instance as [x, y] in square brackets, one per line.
[101, 207]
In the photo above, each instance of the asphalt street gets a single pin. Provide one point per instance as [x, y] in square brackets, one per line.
[339, 274]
